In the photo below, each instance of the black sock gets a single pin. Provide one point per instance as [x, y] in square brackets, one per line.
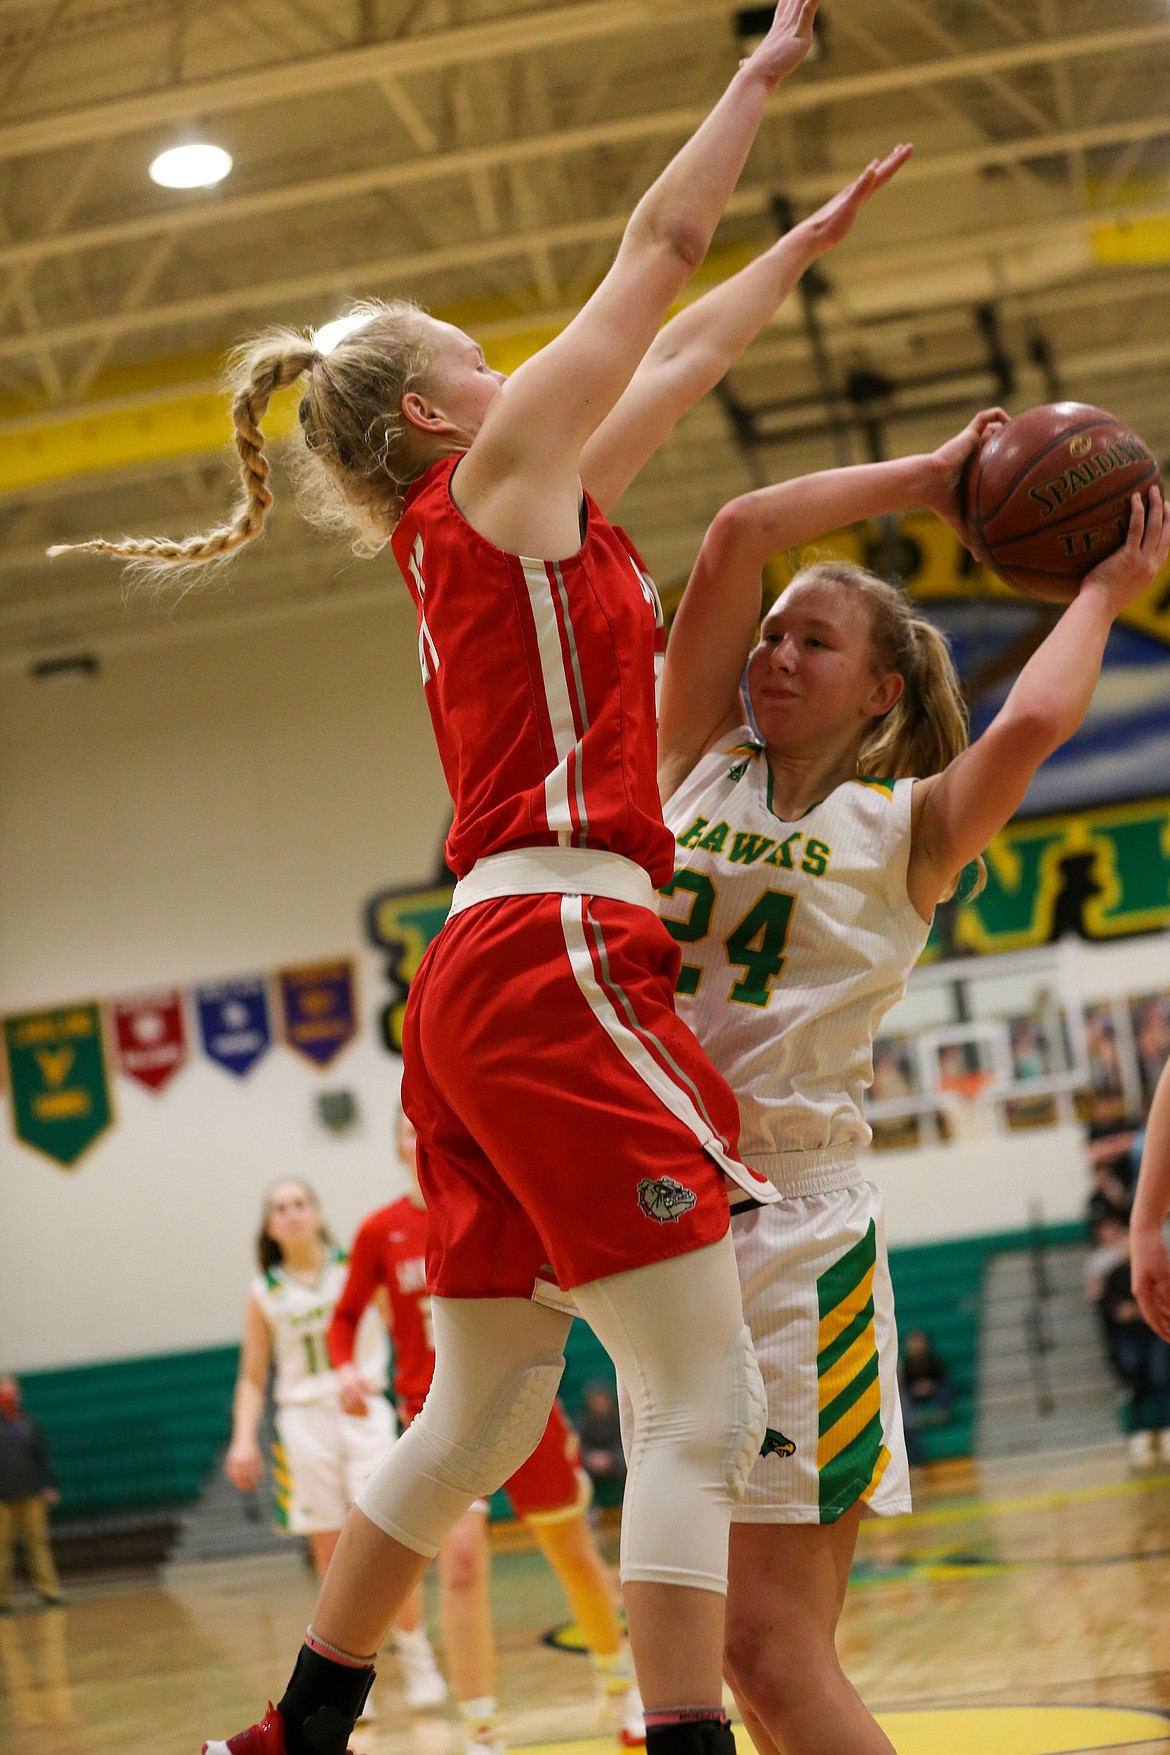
[321, 1704]
[691, 1731]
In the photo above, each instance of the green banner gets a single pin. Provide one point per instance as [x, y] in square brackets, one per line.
[402, 923]
[57, 1078]
[1100, 874]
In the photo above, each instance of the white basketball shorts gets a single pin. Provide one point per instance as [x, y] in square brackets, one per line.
[325, 1458]
[818, 1300]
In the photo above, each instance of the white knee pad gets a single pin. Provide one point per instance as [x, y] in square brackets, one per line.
[506, 1434]
[693, 1410]
[494, 1386]
[749, 1413]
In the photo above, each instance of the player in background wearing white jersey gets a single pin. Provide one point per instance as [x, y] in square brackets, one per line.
[328, 1453]
[813, 849]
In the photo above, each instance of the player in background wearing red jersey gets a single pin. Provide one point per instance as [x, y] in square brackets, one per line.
[572, 1136]
[550, 1491]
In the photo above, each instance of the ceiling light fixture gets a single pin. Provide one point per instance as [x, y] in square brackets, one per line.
[194, 166]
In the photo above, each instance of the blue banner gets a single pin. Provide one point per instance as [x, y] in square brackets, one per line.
[320, 1008]
[234, 1023]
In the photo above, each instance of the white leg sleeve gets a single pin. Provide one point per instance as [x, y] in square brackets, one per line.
[697, 1413]
[498, 1362]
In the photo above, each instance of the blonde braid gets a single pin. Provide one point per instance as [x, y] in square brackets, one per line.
[260, 370]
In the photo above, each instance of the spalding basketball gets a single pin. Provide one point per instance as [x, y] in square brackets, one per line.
[1048, 495]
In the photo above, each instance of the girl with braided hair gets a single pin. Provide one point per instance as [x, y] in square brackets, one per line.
[813, 848]
[573, 1143]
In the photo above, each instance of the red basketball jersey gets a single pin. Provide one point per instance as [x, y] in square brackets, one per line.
[540, 678]
[390, 1250]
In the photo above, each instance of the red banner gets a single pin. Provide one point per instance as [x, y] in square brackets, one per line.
[151, 1035]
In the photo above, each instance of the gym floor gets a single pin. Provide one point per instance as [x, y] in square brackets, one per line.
[1022, 1610]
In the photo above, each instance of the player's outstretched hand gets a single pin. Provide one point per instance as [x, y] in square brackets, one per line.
[950, 463]
[831, 224]
[1133, 567]
[787, 43]
[243, 1465]
[1150, 1265]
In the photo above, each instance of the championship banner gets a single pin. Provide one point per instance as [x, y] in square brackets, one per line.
[319, 1003]
[57, 1076]
[234, 1023]
[151, 1037]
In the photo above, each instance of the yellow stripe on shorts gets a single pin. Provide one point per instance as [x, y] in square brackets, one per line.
[282, 1485]
[851, 1457]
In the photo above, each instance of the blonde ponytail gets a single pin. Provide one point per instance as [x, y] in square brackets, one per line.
[928, 726]
[259, 371]
[357, 453]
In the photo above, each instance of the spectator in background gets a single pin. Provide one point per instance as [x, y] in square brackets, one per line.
[599, 1429]
[928, 1394]
[1107, 1252]
[1140, 1357]
[1112, 1194]
[28, 1486]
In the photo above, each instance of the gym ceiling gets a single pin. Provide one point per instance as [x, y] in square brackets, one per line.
[483, 157]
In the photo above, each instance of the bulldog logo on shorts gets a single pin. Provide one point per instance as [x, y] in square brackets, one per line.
[665, 1200]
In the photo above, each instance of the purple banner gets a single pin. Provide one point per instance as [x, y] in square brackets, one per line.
[320, 1008]
[235, 1023]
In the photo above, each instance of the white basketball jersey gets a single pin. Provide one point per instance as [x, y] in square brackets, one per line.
[796, 939]
[298, 1316]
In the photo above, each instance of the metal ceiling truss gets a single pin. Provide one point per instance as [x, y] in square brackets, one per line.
[499, 156]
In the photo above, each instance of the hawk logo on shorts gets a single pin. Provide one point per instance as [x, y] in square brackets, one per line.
[665, 1200]
[775, 1444]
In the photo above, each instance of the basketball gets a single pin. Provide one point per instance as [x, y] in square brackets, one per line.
[1048, 495]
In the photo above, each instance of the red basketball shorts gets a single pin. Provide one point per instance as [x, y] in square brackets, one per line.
[569, 1125]
[550, 1486]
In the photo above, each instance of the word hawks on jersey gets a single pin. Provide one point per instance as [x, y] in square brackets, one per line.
[664, 1199]
[796, 936]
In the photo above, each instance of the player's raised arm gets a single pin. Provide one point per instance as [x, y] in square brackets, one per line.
[538, 424]
[703, 341]
[957, 812]
[1149, 1258]
[716, 622]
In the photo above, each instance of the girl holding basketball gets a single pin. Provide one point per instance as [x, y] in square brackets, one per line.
[813, 848]
[572, 1137]
[328, 1452]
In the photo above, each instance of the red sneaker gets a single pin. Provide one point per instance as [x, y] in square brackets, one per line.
[266, 1738]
